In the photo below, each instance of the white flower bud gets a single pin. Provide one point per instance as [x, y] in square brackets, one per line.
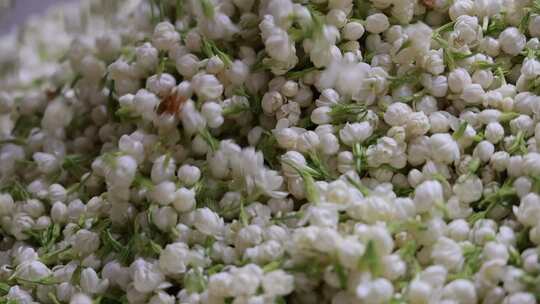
[85, 242]
[355, 133]
[165, 36]
[162, 297]
[160, 84]
[397, 114]
[472, 93]
[163, 169]
[458, 230]
[90, 282]
[329, 144]
[212, 112]
[207, 86]
[187, 65]
[286, 138]
[443, 148]
[289, 88]
[214, 65]
[184, 200]
[460, 291]
[6, 103]
[419, 291]
[353, 31]
[528, 212]
[428, 194]
[458, 79]
[163, 193]
[6, 204]
[146, 275]
[467, 29]
[321, 115]
[484, 150]
[271, 102]
[520, 298]
[165, 218]
[208, 222]
[376, 291]
[377, 23]
[417, 124]
[308, 141]
[80, 298]
[238, 72]
[278, 283]
[512, 41]
[147, 57]
[173, 259]
[448, 253]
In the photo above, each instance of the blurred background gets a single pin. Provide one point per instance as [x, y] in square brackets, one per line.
[13, 12]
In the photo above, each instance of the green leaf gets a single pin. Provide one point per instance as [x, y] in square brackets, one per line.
[342, 113]
[342, 275]
[17, 190]
[360, 159]
[460, 131]
[179, 9]
[4, 288]
[53, 298]
[474, 165]
[215, 269]
[297, 74]
[112, 103]
[361, 9]
[519, 146]
[212, 142]
[269, 148]
[126, 115]
[141, 181]
[274, 265]
[235, 109]
[243, 215]
[254, 100]
[370, 260]
[319, 166]
[496, 26]
[194, 281]
[49, 280]
[472, 255]
[363, 189]
[522, 240]
[210, 49]
[280, 300]
[207, 8]
[109, 240]
[25, 124]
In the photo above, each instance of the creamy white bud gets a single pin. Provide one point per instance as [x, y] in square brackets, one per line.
[427, 195]
[512, 41]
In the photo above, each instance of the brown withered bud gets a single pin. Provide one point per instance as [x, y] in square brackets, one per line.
[172, 103]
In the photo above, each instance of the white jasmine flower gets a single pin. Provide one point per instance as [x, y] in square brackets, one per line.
[443, 148]
[427, 195]
[146, 275]
[278, 283]
[355, 132]
[174, 257]
[208, 222]
[512, 41]
[344, 76]
[448, 253]
[165, 36]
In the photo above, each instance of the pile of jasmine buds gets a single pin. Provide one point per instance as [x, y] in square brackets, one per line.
[271, 151]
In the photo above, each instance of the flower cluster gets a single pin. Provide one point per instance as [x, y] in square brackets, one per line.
[276, 151]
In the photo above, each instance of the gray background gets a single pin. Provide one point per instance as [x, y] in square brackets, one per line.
[21, 9]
